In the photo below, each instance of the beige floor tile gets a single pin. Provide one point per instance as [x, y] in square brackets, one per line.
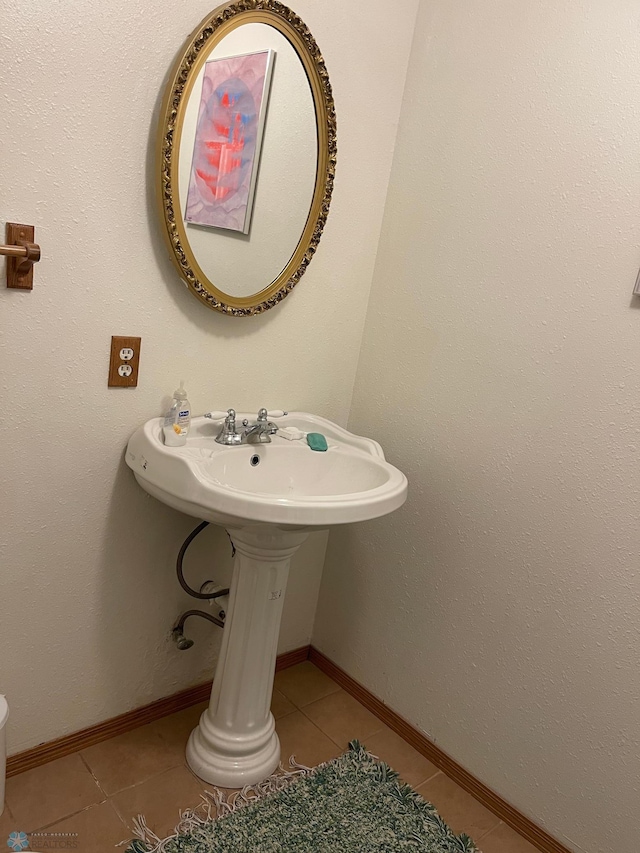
[98, 829]
[504, 840]
[280, 705]
[160, 800]
[304, 683]
[343, 718]
[403, 758]
[131, 758]
[8, 824]
[45, 794]
[175, 729]
[458, 808]
[299, 737]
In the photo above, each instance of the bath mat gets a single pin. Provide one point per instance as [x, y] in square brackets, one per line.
[353, 804]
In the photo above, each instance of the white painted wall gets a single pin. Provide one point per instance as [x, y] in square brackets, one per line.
[499, 611]
[87, 586]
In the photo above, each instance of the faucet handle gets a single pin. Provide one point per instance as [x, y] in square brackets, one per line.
[228, 434]
[267, 426]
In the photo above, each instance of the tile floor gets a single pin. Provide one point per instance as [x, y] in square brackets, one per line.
[95, 793]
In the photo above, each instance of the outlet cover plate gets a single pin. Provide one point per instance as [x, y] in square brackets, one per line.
[123, 373]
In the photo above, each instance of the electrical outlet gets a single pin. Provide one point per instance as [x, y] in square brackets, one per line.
[123, 362]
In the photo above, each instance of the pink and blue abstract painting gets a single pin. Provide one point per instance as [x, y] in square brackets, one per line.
[226, 151]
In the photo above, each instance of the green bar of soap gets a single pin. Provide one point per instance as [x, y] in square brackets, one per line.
[316, 441]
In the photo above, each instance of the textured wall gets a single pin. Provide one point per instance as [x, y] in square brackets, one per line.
[499, 611]
[87, 590]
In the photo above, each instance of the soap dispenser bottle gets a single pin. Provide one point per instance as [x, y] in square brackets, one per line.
[177, 419]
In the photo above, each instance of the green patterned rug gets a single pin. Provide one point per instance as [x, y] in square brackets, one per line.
[354, 804]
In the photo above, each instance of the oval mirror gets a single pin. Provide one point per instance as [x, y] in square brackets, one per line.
[246, 156]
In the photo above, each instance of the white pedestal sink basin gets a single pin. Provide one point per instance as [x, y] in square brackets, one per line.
[268, 497]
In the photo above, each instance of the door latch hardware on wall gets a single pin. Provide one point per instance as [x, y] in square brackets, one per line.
[22, 253]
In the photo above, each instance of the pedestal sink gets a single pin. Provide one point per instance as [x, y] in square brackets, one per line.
[268, 497]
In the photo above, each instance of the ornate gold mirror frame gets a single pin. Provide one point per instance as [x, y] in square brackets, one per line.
[183, 75]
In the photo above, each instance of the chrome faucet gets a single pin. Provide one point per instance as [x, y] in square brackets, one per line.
[261, 431]
[228, 434]
[258, 433]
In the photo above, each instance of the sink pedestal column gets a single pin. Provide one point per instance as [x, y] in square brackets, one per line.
[235, 743]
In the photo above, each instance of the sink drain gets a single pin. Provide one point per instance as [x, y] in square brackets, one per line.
[255, 460]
